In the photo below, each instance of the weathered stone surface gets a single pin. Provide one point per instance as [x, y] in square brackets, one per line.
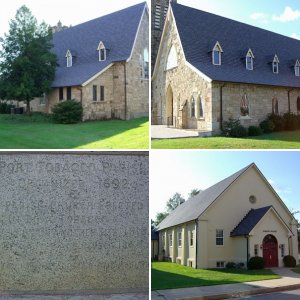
[74, 222]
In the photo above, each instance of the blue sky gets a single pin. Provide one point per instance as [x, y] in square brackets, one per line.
[181, 171]
[69, 12]
[281, 16]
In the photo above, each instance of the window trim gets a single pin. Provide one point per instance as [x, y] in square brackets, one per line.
[275, 63]
[179, 234]
[220, 237]
[69, 59]
[251, 56]
[102, 93]
[94, 89]
[297, 68]
[171, 240]
[191, 238]
[101, 48]
[217, 48]
[201, 108]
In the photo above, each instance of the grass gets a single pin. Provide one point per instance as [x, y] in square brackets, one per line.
[296, 270]
[169, 275]
[276, 140]
[38, 132]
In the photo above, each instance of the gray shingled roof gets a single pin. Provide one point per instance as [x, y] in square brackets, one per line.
[249, 221]
[117, 31]
[199, 31]
[195, 206]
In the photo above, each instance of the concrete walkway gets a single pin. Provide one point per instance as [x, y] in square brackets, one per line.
[139, 296]
[164, 132]
[290, 280]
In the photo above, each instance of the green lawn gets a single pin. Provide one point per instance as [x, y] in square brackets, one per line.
[276, 140]
[169, 275]
[23, 132]
[297, 270]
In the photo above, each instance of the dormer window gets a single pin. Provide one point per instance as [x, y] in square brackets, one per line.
[297, 68]
[249, 60]
[275, 65]
[69, 59]
[216, 54]
[102, 51]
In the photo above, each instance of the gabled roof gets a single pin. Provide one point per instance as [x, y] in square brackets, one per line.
[250, 221]
[200, 30]
[118, 31]
[195, 206]
[252, 218]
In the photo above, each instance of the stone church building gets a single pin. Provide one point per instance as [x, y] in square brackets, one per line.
[210, 68]
[104, 64]
[237, 218]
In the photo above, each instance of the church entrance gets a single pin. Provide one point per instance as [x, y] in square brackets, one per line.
[270, 251]
[169, 107]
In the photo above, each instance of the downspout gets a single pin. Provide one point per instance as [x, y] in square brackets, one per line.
[221, 106]
[125, 91]
[289, 102]
[196, 222]
[247, 238]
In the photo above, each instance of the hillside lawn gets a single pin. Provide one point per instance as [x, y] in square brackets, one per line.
[36, 132]
[165, 275]
[275, 140]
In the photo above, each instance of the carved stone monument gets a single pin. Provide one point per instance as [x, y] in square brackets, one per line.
[74, 222]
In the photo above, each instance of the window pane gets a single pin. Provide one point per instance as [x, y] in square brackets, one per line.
[61, 93]
[69, 93]
[94, 93]
[216, 54]
[101, 92]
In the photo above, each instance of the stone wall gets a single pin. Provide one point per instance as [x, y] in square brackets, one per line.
[74, 223]
[137, 84]
[183, 83]
[259, 98]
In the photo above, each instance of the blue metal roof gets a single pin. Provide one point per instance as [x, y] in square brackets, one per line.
[250, 221]
[199, 31]
[117, 31]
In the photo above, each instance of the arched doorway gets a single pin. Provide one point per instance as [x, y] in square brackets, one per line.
[169, 106]
[270, 251]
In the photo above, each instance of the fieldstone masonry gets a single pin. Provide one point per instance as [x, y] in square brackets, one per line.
[74, 222]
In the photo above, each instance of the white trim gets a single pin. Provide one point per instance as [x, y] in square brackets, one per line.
[69, 59]
[217, 48]
[275, 61]
[96, 75]
[297, 67]
[249, 54]
[100, 47]
[137, 32]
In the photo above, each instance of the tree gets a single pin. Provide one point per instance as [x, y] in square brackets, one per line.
[160, 217]
[174, 201]
[194, 192]
[27, 66]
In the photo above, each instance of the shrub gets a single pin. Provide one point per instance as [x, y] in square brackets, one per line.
[278, 121]
[289, 261]
[5, 107]
[67, 112]
[290, 121]
[267, 126]
[256, 263]
[230, 265]
[254, 131]
[233, 128]
[298, 121]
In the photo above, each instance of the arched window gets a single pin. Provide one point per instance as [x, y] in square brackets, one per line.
[102, 51]
[275, 106]
[244, 106]
[69, 59]
[200, 110]
[249, 60]
[172, 58]
[275, 65]
[298, 105]
[193, 107]
[146, 63]
[216, 54]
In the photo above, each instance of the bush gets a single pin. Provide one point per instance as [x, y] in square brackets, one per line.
[67, 112]
[254, 131]
[278, 121]
[289, 261]
[233, 128]
[290, 121]
[230, 265]
[267, 126]
[256, 263]
[5, 107]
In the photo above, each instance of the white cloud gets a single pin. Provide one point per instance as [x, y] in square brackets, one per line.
[288, 15]
[259, 16]
[294, 35]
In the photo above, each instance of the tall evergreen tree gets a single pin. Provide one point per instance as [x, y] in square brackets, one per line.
[27, 66]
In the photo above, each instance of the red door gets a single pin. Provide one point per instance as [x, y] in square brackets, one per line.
[270, 251]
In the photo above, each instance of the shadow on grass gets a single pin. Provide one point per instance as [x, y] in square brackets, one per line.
[287, 136]
[19, 133]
